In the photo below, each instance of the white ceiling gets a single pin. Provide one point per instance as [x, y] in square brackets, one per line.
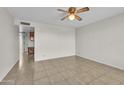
[50, 15]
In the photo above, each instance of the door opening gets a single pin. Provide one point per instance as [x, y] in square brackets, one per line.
[26, 38]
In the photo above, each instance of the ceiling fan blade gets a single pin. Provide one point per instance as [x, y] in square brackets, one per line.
[64, 18]
[78, 18]
[83, 10]
[61, 10]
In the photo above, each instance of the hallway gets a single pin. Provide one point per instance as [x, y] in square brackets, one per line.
[71, 70]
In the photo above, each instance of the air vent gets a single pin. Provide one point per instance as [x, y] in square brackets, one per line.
[25, 23]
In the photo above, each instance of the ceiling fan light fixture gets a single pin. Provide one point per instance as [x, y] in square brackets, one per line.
[71, 17]
[72, 13]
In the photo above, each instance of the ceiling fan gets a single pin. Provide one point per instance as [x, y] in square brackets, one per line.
[72, 13]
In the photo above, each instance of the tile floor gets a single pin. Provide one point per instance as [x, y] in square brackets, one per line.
[63, 71]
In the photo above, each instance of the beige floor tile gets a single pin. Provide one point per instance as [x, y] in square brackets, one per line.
[7, 83]
[102, 70]
[56, 78]
[71, 70]
[61, 69]
[97, 82]
[24, 82]
[24, 76]
[49, 67]
[95, 73]
[10, 77]
[61, 82]
[119, 77]
[67, 74]
[38, 67]
[52, 72]
[42, 81]
[87, 78]
[106, 80]
[39, 75]
[122, 83]
[75, 81]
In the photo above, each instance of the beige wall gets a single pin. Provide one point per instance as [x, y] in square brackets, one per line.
[102, 41]
[8, 42]
[53, 41]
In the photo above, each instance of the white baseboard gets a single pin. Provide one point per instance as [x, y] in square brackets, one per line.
[54, 58]
[115, 66]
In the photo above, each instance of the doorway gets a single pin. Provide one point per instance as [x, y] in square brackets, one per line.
[26, 39]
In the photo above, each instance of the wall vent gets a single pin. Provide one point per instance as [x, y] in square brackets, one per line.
[25, 23]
